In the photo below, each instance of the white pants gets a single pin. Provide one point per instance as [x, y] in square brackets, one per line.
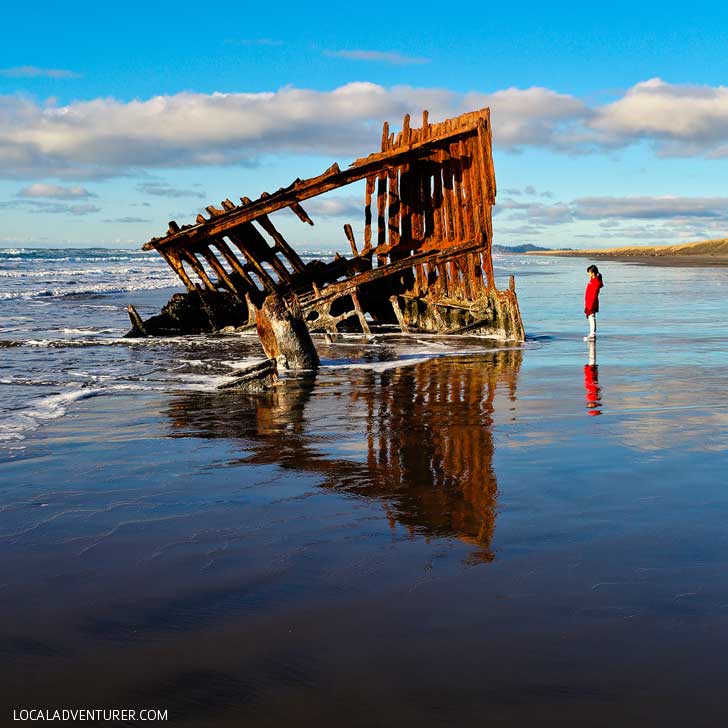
[592, 324]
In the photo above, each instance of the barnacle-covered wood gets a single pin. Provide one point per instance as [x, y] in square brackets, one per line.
[425, 261]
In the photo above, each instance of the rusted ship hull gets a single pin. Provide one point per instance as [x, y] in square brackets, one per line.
[425, 260]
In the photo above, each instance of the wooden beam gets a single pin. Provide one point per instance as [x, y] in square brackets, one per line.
[361, 169]
[350, 237]
[199, 270]
[301, 213]
[222, 274]
[292, 256]
[368, 213]
[231, 258]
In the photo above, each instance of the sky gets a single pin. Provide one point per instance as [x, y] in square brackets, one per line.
[610, 124]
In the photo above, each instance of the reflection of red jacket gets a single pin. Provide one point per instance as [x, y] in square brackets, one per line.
[591, 296]
[593, 391]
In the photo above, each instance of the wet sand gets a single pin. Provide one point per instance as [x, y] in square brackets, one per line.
[451, 541]
[526, 536]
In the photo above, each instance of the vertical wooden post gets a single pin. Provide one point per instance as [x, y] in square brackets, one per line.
[350, 237]
[368, 213]
[381, 204]
[393, 207]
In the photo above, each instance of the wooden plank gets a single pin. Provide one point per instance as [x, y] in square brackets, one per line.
[415, 199]
[360, 314]
[428, 213]
[350, 237]
[485, 139]
[398, 314]
[256, 244]
[457, 192]
[437, 201]
[243, 245]
[306, 189]
[448, 198]
[301, 213]
[475, 187]
[467, 190]
[437, 256]
[264, 253]
[405, 206]
[199, 270]
[265, 222]
[487, 191]
[222, 274]
[393, 206]
[368, 213]
[174, 262]
[235, 264]
[381, 205]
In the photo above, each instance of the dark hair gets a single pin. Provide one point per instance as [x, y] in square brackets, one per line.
[593, 269]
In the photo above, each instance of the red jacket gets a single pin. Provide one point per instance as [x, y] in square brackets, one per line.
[591, 296]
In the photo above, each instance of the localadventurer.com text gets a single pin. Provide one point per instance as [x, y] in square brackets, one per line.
[109, 715]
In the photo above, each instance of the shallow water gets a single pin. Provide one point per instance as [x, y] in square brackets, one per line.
[428, 532]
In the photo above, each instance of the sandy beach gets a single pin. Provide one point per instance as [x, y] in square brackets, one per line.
[705, 254]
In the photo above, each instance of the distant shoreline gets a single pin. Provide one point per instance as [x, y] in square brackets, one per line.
[679, 261]
[708, 253]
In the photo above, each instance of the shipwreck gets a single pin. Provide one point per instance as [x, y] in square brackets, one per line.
[424, 264]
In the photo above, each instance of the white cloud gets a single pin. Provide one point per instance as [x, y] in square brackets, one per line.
[681, 119]
[650, 208]
[35, 72]
[127, 220]
[536, 212]
[55, 191]
[159, 189]
[611, 210]
[106, 137]
[395, 59]
[535, 117]
[342, 206]
[55, 208]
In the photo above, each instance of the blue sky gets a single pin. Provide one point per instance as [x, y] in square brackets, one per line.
[610, 124]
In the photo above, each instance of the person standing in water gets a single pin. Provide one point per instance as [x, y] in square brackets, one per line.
[591, 300]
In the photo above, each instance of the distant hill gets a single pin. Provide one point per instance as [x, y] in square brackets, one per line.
[526, 248]
[704, 249]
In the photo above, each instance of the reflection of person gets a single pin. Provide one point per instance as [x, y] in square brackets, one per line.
[591, 381]
[591, 300]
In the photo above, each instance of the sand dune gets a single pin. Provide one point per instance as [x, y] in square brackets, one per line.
[705, 252]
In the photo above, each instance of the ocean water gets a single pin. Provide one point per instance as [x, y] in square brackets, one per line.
[427, 532]
[63, 319]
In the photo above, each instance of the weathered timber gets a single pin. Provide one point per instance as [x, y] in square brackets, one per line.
[428, 266]
[137, 324]
[256, 378]
[284, 335]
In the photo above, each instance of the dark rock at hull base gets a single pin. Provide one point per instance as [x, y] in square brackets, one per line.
[195, 312]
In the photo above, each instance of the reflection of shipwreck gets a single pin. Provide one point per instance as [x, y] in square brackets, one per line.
[425, 262]
[426, 433]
